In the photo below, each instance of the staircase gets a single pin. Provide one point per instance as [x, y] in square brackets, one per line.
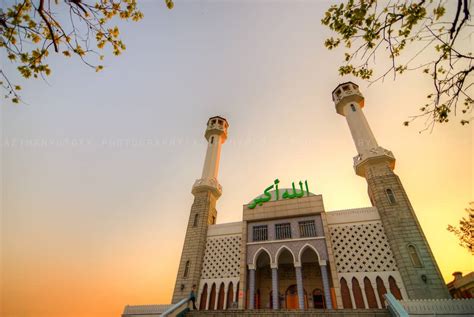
[291, 313]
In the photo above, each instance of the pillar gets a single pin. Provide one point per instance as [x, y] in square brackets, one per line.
[275, 293]
[327, 289]
[251, 288]
[374, 286]
[299, 285]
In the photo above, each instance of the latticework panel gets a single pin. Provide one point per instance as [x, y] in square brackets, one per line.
[362, 248]
[222, 257]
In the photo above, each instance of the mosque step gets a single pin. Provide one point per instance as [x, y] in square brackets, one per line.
[291, 313]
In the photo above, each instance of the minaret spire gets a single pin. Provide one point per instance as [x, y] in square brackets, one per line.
[206, 191]
[415, 261]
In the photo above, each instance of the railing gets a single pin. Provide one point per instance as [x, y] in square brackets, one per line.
[173, 310]
[394, 306]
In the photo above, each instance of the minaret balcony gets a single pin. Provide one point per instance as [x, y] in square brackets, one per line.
[373, 156]
[207, 184]
[216, 125]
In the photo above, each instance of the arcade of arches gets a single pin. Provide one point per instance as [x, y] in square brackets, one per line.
[291, 278]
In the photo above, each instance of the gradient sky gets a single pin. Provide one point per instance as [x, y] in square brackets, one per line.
[94, 215]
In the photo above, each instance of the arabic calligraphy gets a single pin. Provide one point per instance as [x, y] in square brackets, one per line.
[286, 195]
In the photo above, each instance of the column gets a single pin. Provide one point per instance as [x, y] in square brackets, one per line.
[364, 295]
[226, 290]
[275, 293]
[327, 290]
[236, 296]
[374, 286]
[251, 288]
[299, 285]
[349, 284]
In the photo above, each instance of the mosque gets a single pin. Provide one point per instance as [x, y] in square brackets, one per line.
[288, 252]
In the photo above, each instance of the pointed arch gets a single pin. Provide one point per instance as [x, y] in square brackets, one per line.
[369, 293]
[394, 288]
[307, 245]
[203, 301]
[257, 254]
[280, 250]
[220, 298]
[230, 295]
[358, 299]
[212, 298]
[346, 295]
[381, 290]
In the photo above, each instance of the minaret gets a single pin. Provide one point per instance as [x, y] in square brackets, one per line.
[415, 261]
[206, 191]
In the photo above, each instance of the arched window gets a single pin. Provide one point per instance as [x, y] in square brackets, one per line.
[196, 217]
[353, 108]
[186, 269]
[390, 196]
[415, 259]
[212, 139]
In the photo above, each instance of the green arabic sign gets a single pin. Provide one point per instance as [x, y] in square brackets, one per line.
[286, 195]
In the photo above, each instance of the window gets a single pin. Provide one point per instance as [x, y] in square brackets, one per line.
[260, 233]
[415, 259]
[391, 196]
[213, 220]
[186, 269]
[220, 122]
[196, 217]
[212, 139]
[283, 231]
[307, 229]
[346, 88]
[353, 108]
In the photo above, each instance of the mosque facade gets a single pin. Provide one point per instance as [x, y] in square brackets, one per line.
[288, 252]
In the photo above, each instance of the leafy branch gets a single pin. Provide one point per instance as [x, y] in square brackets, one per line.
[30, 30]
[410, 33]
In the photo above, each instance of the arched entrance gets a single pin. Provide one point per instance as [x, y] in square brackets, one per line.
[263, 280]
[291, 297]
[318, 299]
[286, 277]
[312, 277]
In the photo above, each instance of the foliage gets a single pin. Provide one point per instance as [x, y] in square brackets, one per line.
[416, 35]
[465, 231]
[31, 29]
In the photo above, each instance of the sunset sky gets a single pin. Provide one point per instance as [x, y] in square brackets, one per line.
[97, 168]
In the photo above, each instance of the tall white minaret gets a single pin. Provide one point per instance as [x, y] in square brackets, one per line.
[349, 103]
[415, 261]
[216, 135]
[206, 191]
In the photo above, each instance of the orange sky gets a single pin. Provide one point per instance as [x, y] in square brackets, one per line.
[94, 217]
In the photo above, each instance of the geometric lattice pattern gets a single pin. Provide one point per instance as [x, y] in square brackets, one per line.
[361, 248]
[222, 257]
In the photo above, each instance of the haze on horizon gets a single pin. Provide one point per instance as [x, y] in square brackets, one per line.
[97, 168]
